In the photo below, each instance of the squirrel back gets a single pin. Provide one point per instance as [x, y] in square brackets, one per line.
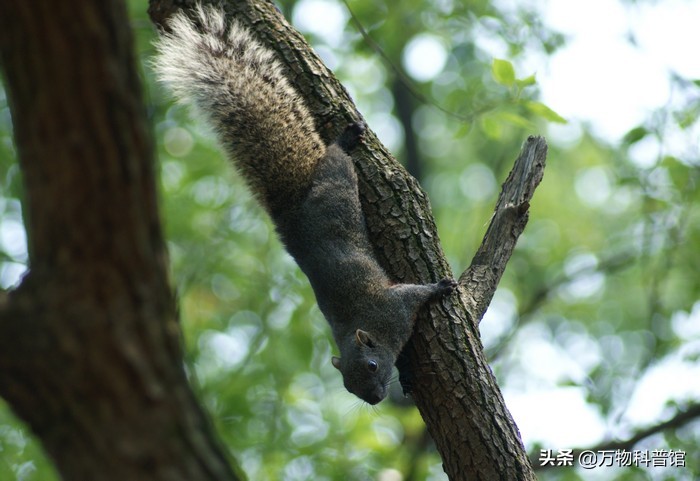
[309, 189]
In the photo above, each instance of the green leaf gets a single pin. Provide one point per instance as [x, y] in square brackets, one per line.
[491, 127]
[515, 119]
[527, 81]
[464, 129]
[503, 72]
[677, 171]
[686, 118]
[635, 135]
[540, 109]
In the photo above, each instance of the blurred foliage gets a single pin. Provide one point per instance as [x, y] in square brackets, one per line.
[601, 293]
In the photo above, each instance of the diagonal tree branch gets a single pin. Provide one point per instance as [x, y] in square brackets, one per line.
[507, 223]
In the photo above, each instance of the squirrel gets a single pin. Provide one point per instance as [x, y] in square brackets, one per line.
[309, 189]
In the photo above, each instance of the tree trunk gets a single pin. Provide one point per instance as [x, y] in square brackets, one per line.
[89, 343]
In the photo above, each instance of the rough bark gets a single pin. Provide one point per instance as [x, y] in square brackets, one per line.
[454, 387]
[89, 342]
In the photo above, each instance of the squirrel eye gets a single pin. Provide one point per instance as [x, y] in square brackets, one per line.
[372, 365]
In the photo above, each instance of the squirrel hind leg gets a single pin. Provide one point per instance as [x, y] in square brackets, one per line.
[351, 136]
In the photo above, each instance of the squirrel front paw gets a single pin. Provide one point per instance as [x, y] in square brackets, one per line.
[351, 136]
[446, 286]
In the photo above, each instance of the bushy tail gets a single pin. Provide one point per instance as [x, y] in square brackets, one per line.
[238, 86]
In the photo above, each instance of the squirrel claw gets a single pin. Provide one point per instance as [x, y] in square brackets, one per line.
[446, 286]
[351, 135]
[356, 128]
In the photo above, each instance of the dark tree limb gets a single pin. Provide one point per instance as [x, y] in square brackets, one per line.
[453, 386]
[89, 342]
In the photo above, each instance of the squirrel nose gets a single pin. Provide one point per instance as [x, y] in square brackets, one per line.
[375, 396]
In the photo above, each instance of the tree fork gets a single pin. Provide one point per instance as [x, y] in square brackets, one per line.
[453, 385]
[95, 318]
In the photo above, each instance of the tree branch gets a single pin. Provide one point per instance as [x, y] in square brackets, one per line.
[680, 419]
[507, 223]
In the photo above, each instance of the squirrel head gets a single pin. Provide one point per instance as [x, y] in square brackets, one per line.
[366, 367]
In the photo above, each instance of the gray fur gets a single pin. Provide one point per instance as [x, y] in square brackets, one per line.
[309, 190]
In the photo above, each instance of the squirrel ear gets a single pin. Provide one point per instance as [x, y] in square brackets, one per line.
[336, 362]
[362, 337]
